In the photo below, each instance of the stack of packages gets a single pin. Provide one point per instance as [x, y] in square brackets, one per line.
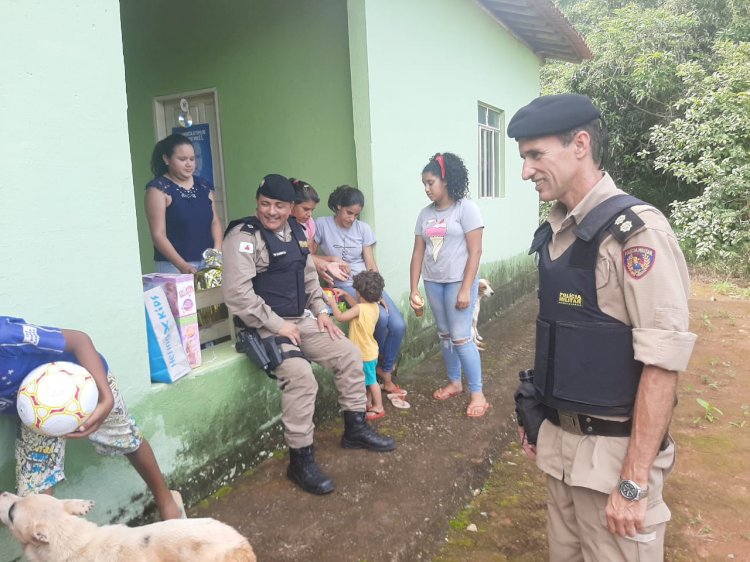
[180, 291]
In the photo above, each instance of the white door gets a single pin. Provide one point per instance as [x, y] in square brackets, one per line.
[204, 131]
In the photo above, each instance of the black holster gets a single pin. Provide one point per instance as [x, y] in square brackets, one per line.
[266, 353]
[530, 412]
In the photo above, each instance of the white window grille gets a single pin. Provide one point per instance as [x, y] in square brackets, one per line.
[491, 152]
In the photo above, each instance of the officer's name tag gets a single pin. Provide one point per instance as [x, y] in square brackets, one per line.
[246, 247]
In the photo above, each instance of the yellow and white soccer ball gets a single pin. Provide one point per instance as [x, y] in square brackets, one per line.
[56, 398]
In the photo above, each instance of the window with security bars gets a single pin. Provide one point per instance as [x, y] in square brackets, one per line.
[491, 152]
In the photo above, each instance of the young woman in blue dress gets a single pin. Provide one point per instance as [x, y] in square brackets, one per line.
[180, 208]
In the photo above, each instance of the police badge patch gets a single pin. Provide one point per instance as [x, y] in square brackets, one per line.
[638, 260]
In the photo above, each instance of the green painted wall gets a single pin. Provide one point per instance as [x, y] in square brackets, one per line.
[68, 224]
[418, 70]
[281, 70]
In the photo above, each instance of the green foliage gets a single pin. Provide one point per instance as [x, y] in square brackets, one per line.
[710, 146]
[672, 78]
[710, 413]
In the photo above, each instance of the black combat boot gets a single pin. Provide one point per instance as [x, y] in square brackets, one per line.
[359, 435]
[304, 471]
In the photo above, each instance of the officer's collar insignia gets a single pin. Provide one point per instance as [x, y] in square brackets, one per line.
[638, 260]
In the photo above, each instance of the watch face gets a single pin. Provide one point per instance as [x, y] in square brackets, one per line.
[629, 490]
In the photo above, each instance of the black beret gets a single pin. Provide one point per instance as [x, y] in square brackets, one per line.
[275, 186]
[550, 115]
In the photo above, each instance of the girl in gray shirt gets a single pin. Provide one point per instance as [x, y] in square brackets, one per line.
[447, 248]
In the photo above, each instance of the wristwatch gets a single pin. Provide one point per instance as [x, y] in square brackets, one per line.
[632, 491]
[323, 311]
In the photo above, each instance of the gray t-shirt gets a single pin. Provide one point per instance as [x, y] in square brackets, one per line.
[444, 232]
[344, 243]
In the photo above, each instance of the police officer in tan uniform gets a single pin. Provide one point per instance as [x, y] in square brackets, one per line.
[612, 334]
[270, 283]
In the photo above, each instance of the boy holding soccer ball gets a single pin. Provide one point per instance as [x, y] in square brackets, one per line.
[40, 458]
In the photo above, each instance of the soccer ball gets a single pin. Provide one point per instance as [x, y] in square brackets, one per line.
[56, 398]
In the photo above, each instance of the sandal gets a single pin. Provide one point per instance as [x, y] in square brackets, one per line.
[372, 415]
[397, 401]
[477, 411]
[443, 394]
[395, 390]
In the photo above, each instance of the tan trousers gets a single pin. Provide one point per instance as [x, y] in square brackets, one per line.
[577, 529]
[299, 387]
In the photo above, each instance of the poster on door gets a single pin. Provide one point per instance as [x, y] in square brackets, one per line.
[201, 139]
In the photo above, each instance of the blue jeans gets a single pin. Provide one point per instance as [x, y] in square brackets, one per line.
[389, 331]
[455, 325]
[167, 267]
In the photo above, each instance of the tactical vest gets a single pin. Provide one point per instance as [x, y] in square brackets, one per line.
[584, 358]
[282, 285]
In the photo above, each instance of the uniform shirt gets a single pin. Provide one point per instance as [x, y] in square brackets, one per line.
[344, 243]
[444, 232]
[651, 296]
[23, 347]
[246, 255]
[362, 329]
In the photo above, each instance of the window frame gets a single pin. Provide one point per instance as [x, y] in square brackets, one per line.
[490, 153]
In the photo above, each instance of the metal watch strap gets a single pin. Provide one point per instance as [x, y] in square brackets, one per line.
[631, 491]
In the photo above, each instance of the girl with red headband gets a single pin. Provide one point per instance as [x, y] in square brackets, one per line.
[447, 248]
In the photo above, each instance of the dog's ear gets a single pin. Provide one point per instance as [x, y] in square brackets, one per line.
[40, 533]
[78, 507]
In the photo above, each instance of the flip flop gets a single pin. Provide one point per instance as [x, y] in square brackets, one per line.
[442, 394]
[478, 411]
[397, 390]
[397, 400]
[373, 415]
[177, 497]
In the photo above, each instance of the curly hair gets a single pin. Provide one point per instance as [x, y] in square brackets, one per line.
[453, 171]
[369, 284]
[303, 191]
[345, 196]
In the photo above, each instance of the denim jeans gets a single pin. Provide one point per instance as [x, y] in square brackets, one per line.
[389, 331]
[455, 325]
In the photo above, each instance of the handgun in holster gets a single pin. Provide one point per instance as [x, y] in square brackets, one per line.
[530, 412]
[266, 353]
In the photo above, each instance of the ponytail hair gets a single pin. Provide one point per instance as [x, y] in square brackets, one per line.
[303, 191]
[451, 169]
[166, 147]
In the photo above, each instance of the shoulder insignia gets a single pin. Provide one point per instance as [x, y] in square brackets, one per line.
[625, 225]
[246, 247]
[247, 227]
[638, 260]
[303, 244]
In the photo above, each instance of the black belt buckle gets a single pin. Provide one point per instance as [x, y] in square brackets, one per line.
[570, 422]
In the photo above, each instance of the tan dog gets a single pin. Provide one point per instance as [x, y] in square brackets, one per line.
[485, 290]
[50, 532]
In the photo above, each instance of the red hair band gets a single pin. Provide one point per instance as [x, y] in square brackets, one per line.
[441, 161]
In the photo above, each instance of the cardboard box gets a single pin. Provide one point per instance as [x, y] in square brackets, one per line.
[166, 354]
[190, 336]
[179, 288]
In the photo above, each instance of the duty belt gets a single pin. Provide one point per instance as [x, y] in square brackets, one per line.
[583, 424]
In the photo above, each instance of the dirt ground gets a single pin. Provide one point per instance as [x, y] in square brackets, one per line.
[460, 490]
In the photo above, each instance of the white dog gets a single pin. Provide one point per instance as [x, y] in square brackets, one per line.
[50, 532]
[485, 290]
